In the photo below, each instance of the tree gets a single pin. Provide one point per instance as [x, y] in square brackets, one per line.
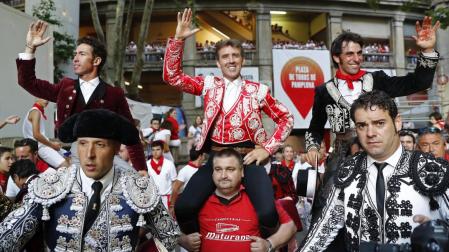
[63, 43]
[137, 71]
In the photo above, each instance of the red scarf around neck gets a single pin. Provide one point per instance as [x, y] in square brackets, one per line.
[41, 109]
[157, 167]
[193, 164]
[350, 78]
[290, 166]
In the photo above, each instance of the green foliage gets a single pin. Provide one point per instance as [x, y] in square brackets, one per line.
[63, 43]
[441, 14]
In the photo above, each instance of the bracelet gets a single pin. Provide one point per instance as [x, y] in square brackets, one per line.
[32, 48]
[270, 247]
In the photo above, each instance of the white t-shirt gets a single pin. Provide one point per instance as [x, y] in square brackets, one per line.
[165, 178]
[162, 135]
[185, 174]
[303, 166]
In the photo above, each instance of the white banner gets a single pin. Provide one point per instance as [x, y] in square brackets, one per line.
[296, 73]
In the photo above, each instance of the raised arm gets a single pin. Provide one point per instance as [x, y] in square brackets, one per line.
[173, 74]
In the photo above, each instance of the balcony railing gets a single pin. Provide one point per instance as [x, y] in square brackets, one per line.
[155, 59]
[377, 60]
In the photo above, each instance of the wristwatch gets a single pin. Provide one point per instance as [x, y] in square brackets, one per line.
[270, 247]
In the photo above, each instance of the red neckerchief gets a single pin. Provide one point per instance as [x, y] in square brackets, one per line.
[41, 109]
[193, 165]
[289, 166]
[154, 130]
[157, 167]
[350, 78]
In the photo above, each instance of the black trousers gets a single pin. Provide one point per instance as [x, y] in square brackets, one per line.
[201, 186]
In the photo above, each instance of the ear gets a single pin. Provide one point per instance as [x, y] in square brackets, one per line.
[336, 58]
[398, 123]
[97, 61]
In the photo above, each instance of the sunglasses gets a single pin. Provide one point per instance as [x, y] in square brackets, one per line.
[427, 130]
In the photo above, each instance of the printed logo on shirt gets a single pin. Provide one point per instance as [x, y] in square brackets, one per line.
[227, 237]
[223, 227]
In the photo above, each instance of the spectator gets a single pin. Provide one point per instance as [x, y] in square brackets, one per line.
[174, 137]
[12, 119]
[34, 128]
[288, 155]
[407, 139]
[22, 173]
[124, 155]
[431, 140]
[184, 175]
[194, 133]
[230, 210]
[164, 135]
[162, 171]
[6, 160]
[436, 120]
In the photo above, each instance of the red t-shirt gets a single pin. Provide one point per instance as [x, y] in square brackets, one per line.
[3, 181]
[228, 227]
[41, 165]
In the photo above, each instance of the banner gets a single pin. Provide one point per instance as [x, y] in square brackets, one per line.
[296, 73]
[248, 73]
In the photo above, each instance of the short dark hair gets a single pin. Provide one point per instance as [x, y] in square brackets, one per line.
[235, 43]
[346, 36]
[166, 125]
[229, 152]
[375, 98]
[194, 154]
[429, 130]
[4, 149]
[98, 48]
[436, 115]
[27, 142]
[158, 143]
[407, 133]
[155, 119]
[23, 168]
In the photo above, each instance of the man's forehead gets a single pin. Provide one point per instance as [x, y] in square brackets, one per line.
[84, 48]
[430, 137]
[346, 45]
[372, 113]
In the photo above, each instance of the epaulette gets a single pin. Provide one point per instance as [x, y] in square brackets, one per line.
[430, 176]
[141, 193]
[348, 169]
[51, 187]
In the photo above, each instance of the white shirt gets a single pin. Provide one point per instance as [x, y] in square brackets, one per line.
[86, 183]
[165, 178]
[161, 135]
[27, 127]
[232, 93]
[88, 87]
[387, 171]
[303, 166]
[350, 95]
[185, 174]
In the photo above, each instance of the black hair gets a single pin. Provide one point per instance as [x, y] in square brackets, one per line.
[155, 119]
[436, 115]
[407, 133]
[235, 43]
[27, 142]
[337, 44]
[23, 168]
[229, 152]
[4, 149]
[166, 125]
[375, 98]
[194, 154]
[158, 143]
[98, 48]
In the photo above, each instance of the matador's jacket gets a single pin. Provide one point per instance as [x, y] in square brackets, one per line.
[69, 100]
[418, 185]
[329, 104]
[244, 121]
[55, 201]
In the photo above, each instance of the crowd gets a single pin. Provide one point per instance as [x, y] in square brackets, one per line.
[376, 48]
[120, 178]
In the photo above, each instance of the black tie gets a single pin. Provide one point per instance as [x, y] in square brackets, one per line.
[94, 206]
[380, 188]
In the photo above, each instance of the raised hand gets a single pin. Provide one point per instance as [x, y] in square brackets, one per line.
[183, 29]
[426, 34]
[13, 119]
[35, 35]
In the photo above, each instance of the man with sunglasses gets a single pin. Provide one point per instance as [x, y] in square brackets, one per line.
[431, 140]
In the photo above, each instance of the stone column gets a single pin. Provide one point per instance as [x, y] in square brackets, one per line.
[335, 20]
[398, 44]
[264, 53]
[443, 65]
[189, 59]
[110, 36]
